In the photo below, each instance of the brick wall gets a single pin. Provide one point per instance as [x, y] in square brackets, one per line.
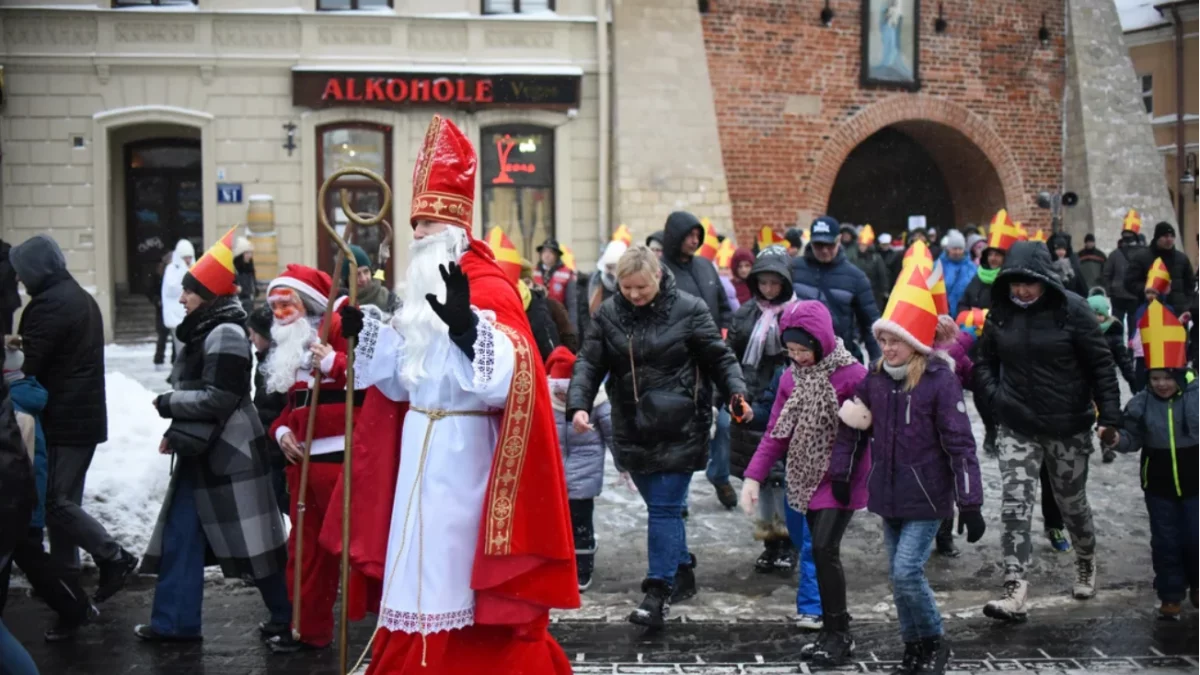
[790, 106]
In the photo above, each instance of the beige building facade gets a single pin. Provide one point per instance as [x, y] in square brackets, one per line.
[125, 128]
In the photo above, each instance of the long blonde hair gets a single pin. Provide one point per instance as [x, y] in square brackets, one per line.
[916, 368]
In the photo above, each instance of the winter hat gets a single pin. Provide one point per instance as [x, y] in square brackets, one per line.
[910, 313]
[360, 258]
[973, 239]
[799, 336]
[1158, 277]
[1164, 339]
[885, 239]
[1089, 238]
[955, 239]
[560, 364]
[14, 357]
[741, 255]
[848, 228]
[242, 245]
[261, 320]
[313, 285]
[612, 253]
[794, 237]
[213, 274]
[1100, 305]
[1163, 229]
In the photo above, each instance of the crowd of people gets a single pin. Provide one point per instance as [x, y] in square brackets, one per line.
[487, 401]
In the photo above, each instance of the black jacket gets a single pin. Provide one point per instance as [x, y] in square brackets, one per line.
[268, 404]
[845, 292]
[1046, 368]
[744, 438]
[978, 295]
[63, 336]
[1115, 269]
[18, 493]
[1091, 262]
[1183, 281]
[545, 333]
[1115, 338]
[698, 276]
[671, 341]
[10, 297]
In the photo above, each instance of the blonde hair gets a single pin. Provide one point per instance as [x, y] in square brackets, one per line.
[639, 259]
[916, 368]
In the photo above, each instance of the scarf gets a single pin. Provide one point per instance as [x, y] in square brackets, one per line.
[898, 373]
[764, 337]
[373, 294]
[1021, 303]
[987, 276]
[810, 419]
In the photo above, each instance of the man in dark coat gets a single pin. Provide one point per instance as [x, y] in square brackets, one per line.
[63, 335]
[1091, 263]
[1047, 374]
[10, 297]
[824, 274]
[868, 259]
[1162, 246]
[1124, 303]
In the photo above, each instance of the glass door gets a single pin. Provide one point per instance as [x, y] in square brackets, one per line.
[163, 204]
[354, 144]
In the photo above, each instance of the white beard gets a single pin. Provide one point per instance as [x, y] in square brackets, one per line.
[416, 321]
[289, 354]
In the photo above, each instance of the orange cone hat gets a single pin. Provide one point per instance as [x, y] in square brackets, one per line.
[1159, 278]
[910, 313]
[937, 288]
[213, 274]
[918, 255]
[1164, 339]
[506, 254]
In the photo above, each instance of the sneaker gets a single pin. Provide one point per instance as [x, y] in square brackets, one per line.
[838, 646]
[685, 582]
[935, 653]
[1085, 578]
[1058, 540]
[585, 564]
[1011, 605]
[286, 644]
[113, 574]
[787, 557]
[910, 664]
[655, 607]
[809, 622]
[145, 631]
[1170, 611]
[766, 560]
[945, 540]
[65, 630]
[727, 496]
[270, 629]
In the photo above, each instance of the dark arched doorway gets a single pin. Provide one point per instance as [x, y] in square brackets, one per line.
[916, 168]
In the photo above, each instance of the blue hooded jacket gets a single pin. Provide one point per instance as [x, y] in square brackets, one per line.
[30, 398]
[958, 276]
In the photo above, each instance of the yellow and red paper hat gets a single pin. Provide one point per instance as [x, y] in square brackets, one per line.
[768, 238]
[568, 258]
[937, 288]
[1003, 232]
[622, 234]
[711, 244]
[725, 253]
[910, 313]
[866, 236]
[444, 177]
[918, 255]
[213, 274]
[972, 319]
[1132, 222]
[507, 255]
[1164, 339]
[1038, 235]
[1158, 277]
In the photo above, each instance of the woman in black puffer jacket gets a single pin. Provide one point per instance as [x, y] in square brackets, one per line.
[754, 337]
[659, 349]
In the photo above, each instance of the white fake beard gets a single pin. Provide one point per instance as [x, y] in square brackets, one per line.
[416, 321]
[289, 354]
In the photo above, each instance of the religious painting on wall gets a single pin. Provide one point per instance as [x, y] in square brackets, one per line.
[891, 43]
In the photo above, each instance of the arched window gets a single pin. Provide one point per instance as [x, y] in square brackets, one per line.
[518, 183]
[353, 144]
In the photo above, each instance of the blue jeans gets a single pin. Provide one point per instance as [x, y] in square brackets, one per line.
[718, 451]
[179, 593]
[808, 596]
[908, 543]
[14, 660]
[666, 538]
[1173, 533]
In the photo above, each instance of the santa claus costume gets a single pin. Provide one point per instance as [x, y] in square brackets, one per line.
[479, 545]
[298, 299]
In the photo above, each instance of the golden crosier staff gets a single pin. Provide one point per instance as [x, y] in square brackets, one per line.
[345, 254]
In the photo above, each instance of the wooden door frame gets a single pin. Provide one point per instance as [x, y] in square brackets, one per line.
[324, 245]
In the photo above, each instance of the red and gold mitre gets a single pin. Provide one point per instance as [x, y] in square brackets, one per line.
[444, 178]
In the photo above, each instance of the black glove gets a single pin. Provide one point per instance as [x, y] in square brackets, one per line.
[456, 311]
[990, 447]
[162, 403]
[841, 491]
[352, 320]
[972, 522]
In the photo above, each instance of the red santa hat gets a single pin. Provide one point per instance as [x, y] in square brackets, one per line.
[444, 177]
[312, 284]
[560, 364]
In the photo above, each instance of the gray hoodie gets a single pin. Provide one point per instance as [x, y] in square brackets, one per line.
[38, 261]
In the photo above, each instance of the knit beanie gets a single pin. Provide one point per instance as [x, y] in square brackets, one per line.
[360, 258]
[954, 239]
[1163, 229]
[1089, 238]
[797, 335]
[1100, 305]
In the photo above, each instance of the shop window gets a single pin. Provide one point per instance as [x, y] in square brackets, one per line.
[517, 6]
[331, 5]
[1148, 93]
[152, 3]
[357, 145]
[518, 184]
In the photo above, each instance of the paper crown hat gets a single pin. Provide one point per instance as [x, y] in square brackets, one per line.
[1164, 339]
[1003, 232]
[918, 255]
[711, 244]
[768, 238]
[1132, 222]
[444, 177]
[910, 313]
[1158, 277]
[213, 274]
[937, 288]
[623, 234]
[506, 254]
[866, 236]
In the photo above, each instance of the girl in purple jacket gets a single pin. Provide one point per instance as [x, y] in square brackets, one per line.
[803, 426]
[909, 417]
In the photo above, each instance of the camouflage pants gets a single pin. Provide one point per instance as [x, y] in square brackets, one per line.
[1021, 460]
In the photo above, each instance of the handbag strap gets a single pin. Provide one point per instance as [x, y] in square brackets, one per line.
[633, 371]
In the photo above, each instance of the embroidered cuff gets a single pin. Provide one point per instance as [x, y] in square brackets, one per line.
[483, 365]
[368, 338]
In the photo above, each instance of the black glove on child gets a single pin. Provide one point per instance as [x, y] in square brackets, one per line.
[841, 491]
[352, 320]
[456, 311]
[972, 521]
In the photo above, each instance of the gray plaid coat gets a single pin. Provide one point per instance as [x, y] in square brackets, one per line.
[237, 508]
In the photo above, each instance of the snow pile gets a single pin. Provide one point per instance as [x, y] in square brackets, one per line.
[128, 478]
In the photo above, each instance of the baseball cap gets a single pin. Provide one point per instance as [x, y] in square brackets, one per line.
[824, 230]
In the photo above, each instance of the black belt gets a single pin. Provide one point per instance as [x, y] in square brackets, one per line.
[300, 399]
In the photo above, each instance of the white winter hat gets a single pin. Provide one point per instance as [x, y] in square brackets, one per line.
[612, 253]
[954, 239]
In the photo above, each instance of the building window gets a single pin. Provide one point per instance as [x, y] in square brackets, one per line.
[330, 5]
[151, 3]
[1148, 93]
[518, 184]
[517, 6]
[360, 145]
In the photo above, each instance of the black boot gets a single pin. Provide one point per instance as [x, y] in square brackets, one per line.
[911, 663]
[655, 607]
[685, 581]
[585, 540]
[766, 561]
[838, 646]
[945, 539]
[786, 557]
[727, 496]
[818, 644]
[113, 574]
[585, 564]
[935, 653]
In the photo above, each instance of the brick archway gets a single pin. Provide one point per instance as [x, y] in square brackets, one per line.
[952, 132]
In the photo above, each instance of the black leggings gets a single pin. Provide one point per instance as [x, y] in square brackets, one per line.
[827, 527]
